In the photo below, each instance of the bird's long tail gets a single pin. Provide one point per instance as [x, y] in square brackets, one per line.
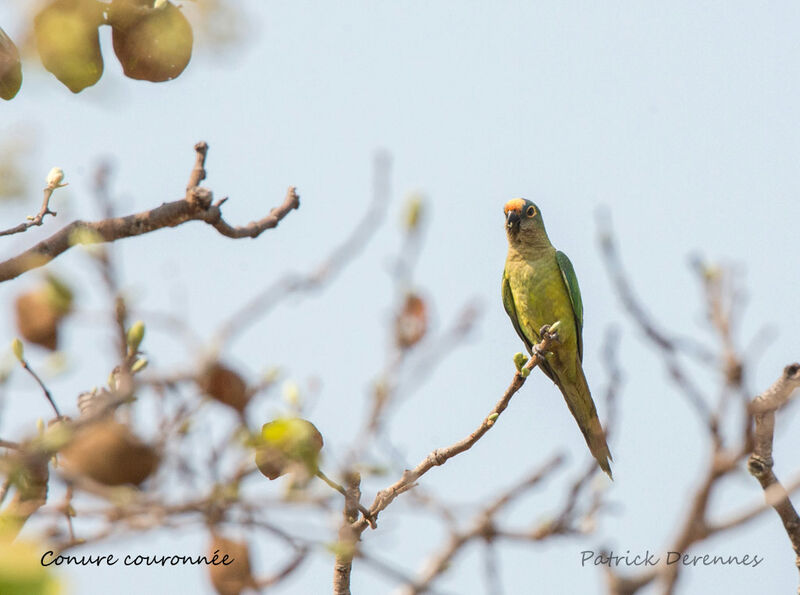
[579, 401]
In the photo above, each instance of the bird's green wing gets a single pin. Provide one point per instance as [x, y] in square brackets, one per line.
[511, 310]
[571, 281]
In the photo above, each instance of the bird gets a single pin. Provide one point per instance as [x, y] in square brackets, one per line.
[540, 288]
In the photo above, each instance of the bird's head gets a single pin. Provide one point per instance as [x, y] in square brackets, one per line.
[523, 220]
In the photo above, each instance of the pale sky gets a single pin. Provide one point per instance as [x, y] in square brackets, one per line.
[680, 119]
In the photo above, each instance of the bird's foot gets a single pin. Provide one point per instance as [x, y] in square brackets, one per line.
[539, 353]
[549, 333]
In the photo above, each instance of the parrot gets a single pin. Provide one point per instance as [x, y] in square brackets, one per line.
[540, 288]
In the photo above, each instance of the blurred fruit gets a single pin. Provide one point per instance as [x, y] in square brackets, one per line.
[109, 453]
[233, 578]
[10, 67]
[291, 444]
[224, 385]
[40, 311]
[412, 322]
[68, 41]
[152, 44]
[37, 320]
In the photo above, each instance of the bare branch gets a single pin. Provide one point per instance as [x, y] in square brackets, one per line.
[441, 456]
[760, 464]
[41, 384]
[37, 219]
[199, 170]
[196, 206]
[753, 512]
[348, 537]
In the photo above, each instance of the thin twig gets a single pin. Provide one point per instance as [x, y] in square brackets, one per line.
[44, 388]
[37, 219]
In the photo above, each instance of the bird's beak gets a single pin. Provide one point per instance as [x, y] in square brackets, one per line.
[512, 218]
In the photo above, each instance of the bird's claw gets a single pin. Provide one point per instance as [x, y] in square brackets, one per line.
[549, 332]
[539, 353]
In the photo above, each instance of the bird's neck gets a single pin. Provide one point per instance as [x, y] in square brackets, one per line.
[529, 247]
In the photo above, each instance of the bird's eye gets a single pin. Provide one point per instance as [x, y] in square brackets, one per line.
[531, 211]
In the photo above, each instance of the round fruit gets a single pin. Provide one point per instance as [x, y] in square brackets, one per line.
[68, 42]
[225, 386]
[109, 453]
[152, 44]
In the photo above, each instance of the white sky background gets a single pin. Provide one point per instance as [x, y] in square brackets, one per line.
[682, 120]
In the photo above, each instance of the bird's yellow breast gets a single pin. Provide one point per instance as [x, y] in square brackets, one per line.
[541, 297]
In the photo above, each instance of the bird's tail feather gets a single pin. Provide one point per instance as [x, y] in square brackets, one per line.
[580, 403]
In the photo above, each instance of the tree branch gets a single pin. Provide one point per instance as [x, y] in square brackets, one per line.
[348, 537]
[442, 455]
[196, 206]
[760, 464]
[39, 217]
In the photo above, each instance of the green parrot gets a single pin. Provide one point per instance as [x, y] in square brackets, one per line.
[540, 288]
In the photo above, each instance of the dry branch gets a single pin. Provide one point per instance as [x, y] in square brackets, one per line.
[760, 464]
[195, 206]
[39, 217]
[441, 455]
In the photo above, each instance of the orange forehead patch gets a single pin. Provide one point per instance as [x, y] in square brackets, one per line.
[515, 204]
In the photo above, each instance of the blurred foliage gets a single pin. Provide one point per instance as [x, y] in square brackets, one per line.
[21, 572]
[219, 24]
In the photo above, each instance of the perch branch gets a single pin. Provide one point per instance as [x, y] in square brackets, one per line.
[442, 455]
